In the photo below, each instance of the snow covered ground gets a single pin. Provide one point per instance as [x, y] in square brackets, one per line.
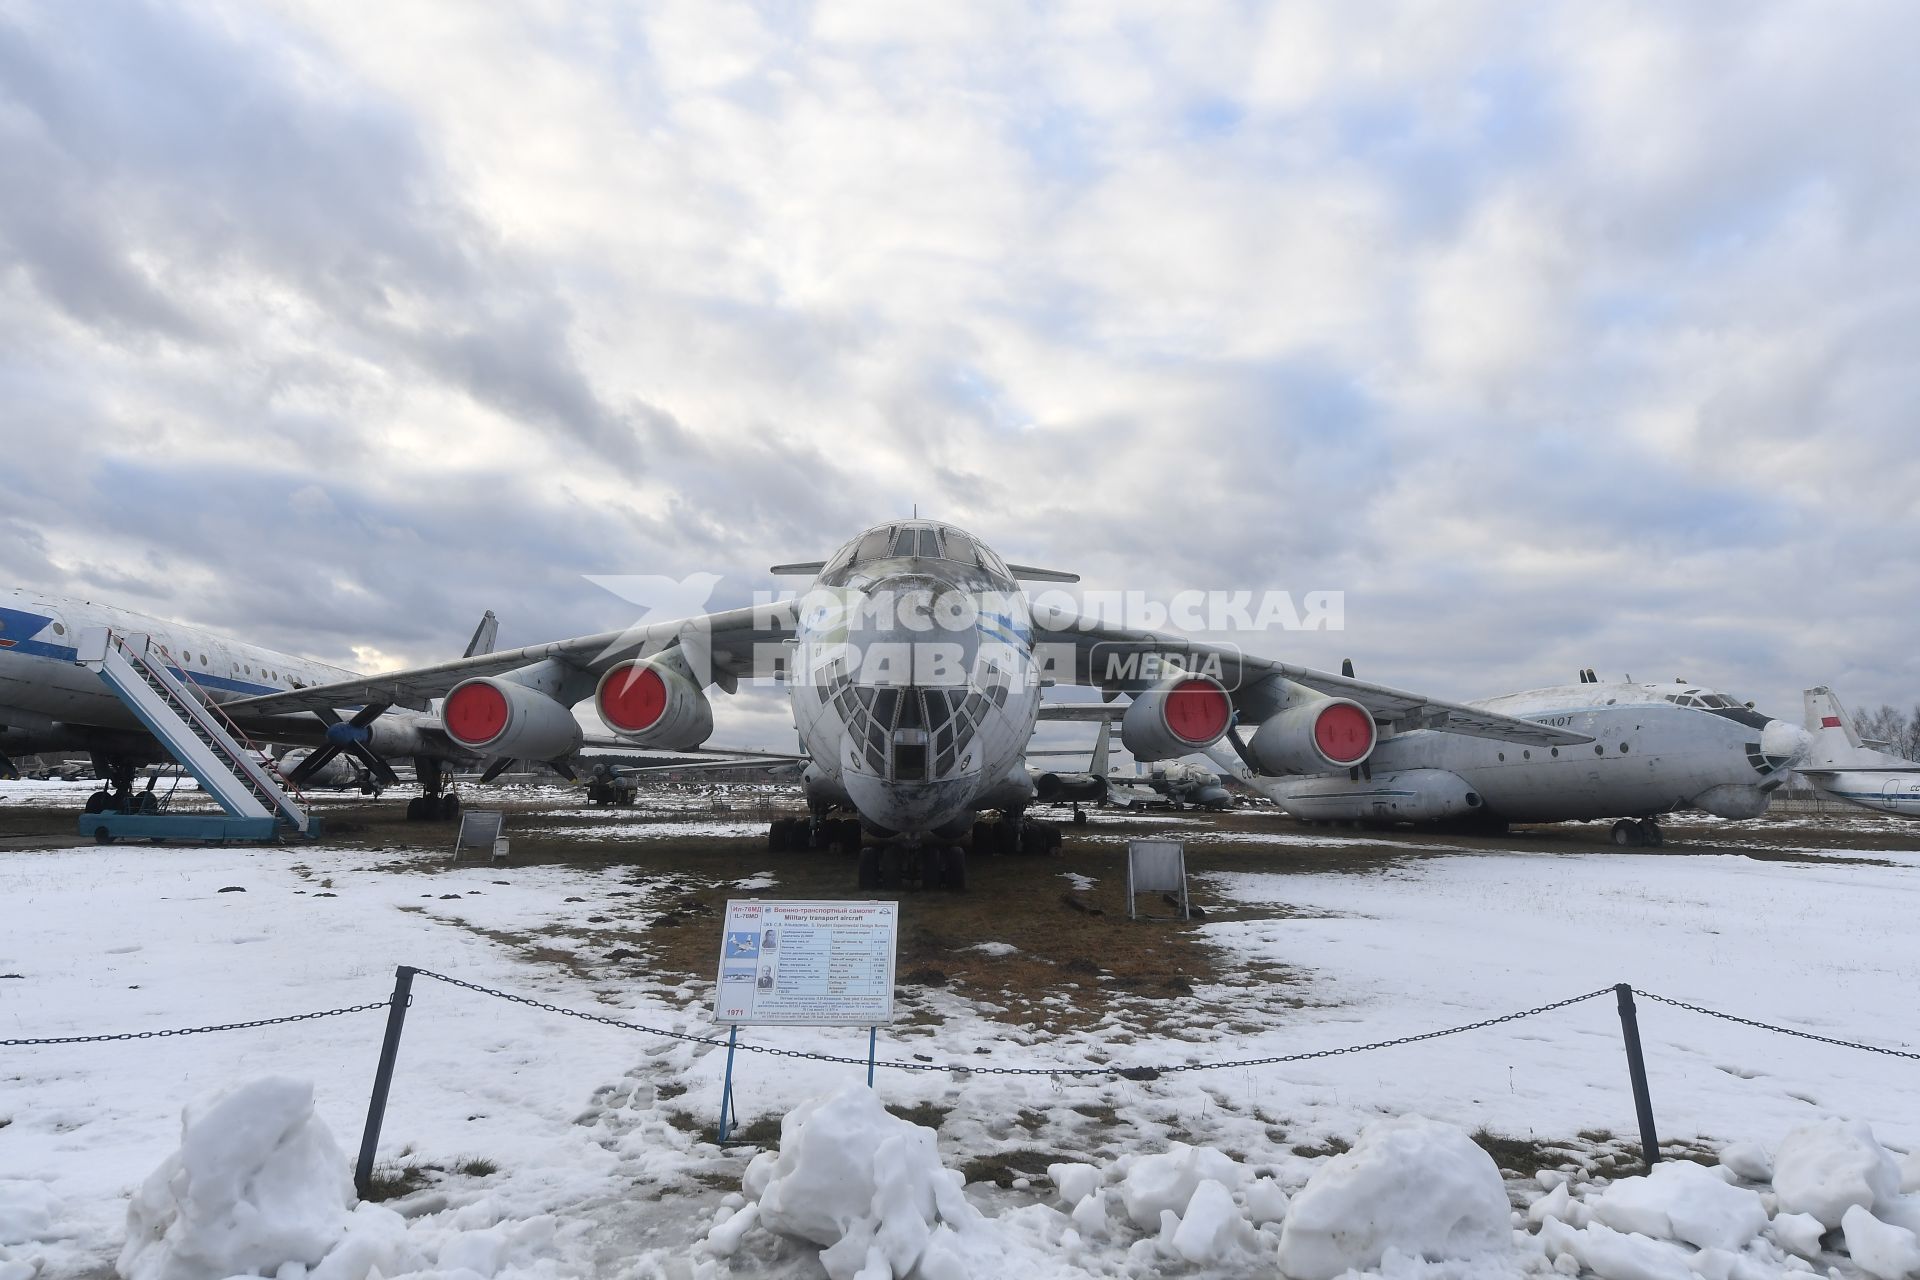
[601, 1138]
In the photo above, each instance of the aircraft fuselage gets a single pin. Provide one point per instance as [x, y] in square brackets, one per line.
[1656, 749]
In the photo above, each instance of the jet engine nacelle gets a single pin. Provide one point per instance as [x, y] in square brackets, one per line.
[494, 717]
[1314, 737]
[652, 703]
[1180, 715]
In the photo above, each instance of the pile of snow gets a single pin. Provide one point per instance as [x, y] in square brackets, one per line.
[1831, 1185]
[1416, 1187]
[26, 1218]
[260, 1187]
[866, 1186]
[1827, 1168]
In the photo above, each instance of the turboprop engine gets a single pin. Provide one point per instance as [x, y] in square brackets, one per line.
[1314, 737]
[653, 703]
[494, 717]
[1182, 714]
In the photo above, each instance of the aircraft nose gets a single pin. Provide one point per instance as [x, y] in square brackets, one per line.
[1784, 743]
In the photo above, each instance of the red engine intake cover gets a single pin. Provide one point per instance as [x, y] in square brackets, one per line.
[633, 697]
[1343, 732]
[475, 714]
[1198, 711]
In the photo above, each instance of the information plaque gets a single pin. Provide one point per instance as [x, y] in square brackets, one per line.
[827, 964]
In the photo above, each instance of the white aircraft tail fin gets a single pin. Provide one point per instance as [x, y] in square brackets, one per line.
[1099, 766]
[1836, 741]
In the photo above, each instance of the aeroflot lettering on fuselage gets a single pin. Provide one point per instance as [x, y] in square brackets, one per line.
[1556, 722]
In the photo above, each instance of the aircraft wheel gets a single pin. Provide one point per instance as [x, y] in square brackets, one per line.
[1079, 818]
[449, 808]
[869, 868]
[98, 802]
[102, 836]
[413, 809]
[146, 802]
[1626, 834]
[777, 836]
[1033, 839]
[1651, 834]
[956, 870]
[891, 865]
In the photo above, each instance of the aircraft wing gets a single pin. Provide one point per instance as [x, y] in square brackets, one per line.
[736, 640]
[1108, 657]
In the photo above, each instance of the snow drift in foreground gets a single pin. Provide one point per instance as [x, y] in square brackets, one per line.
[259, 1187]
[1413, 1200]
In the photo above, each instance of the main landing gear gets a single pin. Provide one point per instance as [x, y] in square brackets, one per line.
[119, 795]
[436, 802]
[1016, 833]
[1642, 834]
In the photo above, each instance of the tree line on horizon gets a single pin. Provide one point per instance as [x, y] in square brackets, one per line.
[1892, 729]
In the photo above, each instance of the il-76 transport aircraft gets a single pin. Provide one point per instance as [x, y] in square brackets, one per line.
[1654, 749]
[914, 667]
[1841, 765]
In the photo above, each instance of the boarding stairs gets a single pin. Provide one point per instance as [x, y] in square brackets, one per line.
[240, 778]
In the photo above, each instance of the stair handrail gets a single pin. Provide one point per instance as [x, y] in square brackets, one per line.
[267, 762]
[143, 663]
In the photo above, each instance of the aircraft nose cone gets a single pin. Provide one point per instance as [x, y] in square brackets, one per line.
[1784, 742]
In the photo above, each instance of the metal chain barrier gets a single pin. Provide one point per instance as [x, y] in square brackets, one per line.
[196, 1031]
[1131, 1073]
[1785, 1031]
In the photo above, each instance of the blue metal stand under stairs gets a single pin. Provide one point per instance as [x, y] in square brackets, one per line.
[258, 802]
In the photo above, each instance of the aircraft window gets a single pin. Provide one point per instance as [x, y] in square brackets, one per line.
[203, 659]
[943, 740]
[1556, 753]
[929, 543]
[1623, 748]
[903, 542]
[876, 758]
[1599, 750]
[885, 703]
[939, 710]
[1503, 755]
[842, 559]
[910, 714]
[825, 692]
[59, 630]
[999, 695]
[865, 694]
[959, 547]
[874, 545]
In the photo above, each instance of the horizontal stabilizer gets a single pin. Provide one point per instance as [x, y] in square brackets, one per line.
[1028, 573]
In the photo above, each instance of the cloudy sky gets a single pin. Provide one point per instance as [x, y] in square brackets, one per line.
[1552, 334]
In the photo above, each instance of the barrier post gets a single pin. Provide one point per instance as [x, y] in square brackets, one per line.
[383, 1077]
[873, 1037]
[1637, 1070]
[726, 1089]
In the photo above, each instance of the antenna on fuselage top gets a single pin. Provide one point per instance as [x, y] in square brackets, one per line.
[1346, 667]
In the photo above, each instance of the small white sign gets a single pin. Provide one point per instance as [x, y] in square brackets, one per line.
[1157, 866]
[827, 964]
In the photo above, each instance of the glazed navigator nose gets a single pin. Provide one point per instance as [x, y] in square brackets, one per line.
[1784, 743]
